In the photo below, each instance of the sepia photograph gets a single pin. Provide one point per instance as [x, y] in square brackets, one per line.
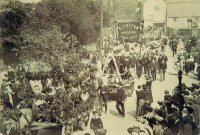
[99, 67]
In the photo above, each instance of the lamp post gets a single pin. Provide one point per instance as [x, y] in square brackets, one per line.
[142, 32]
[198, 61]
[179, 67]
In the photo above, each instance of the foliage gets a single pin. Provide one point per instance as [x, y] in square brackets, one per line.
[12, 17]
[124, 10]
[78, 17]
[47, 45]
[67, 104]
[21, 22]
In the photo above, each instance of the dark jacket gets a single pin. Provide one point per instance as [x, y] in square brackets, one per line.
[187, 125]
[96, 123]
[121, 94]
[11, 76]
[168, 131]
[196, 113]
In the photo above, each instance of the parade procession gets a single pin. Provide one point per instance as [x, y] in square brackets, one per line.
[99, 67]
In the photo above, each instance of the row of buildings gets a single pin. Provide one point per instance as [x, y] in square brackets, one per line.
[179, 15]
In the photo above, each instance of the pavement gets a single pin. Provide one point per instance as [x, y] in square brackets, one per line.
[117, 125]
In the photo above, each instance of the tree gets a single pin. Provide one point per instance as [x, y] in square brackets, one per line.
[12, 18]
[49, 46]
[79, 17]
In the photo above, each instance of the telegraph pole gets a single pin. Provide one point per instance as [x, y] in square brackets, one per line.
[101, 32]
[113, 13]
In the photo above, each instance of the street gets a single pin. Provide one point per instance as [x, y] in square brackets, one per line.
[117, 125]
[100, 67]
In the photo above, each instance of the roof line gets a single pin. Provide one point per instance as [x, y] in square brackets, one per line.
[144, 1]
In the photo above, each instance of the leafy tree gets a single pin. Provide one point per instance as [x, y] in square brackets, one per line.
[78, 17]
[49, 46]
[12, 18]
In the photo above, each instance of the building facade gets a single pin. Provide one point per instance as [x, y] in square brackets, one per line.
[184, 15]
[153, 12]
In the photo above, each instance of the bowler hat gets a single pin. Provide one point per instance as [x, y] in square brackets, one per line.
[166, 91]
[160, 102]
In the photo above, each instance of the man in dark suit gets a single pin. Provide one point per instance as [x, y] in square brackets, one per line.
[21, 73]
[96, 123]
[139, 67]
[120, 99]
[104, 95]
[11, 74]
[163, 66]
[153, 66]
[174, 47]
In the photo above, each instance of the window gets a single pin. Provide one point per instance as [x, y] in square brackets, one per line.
[156, 8]
[175, 19]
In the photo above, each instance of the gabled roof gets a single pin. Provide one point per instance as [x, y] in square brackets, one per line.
[184, 9]
[143, 1]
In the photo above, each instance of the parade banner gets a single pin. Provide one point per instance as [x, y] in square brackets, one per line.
[129, 30]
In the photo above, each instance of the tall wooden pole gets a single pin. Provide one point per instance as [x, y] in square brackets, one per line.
[113, 13]
[101, 32]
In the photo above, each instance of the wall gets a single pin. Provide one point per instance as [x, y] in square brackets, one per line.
[154, 11]
[180, 23]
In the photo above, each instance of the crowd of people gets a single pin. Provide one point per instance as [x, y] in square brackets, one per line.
[182, 50]
[115, 69]
[166, 119]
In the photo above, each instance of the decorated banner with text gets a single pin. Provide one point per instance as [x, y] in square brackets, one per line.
[129, 31]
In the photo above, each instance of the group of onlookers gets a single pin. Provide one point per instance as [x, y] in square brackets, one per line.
[167, 119]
